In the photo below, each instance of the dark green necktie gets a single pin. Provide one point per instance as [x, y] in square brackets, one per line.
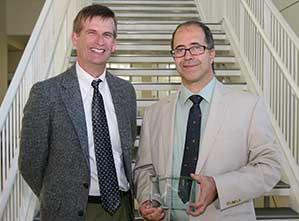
[191, 148]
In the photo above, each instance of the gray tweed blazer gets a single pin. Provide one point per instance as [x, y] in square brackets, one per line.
[54, 158]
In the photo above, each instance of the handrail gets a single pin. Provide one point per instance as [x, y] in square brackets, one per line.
[14, 85]
[44, 56]
[271, 48]
[268, 51]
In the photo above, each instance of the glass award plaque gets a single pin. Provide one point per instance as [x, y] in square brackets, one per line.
[173, 193]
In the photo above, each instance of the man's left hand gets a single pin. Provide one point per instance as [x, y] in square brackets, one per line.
[208, 193]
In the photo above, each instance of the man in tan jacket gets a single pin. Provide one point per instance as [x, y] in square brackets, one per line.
[237, 156]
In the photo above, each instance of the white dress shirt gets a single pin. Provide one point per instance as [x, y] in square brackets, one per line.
[86, 89]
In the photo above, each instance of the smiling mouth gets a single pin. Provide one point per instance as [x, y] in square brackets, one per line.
[98, 51]
[189, 65]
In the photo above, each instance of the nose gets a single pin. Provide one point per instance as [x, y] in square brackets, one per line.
[100, 39]
[188, 54]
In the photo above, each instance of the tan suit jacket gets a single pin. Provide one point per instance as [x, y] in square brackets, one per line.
[238, 149]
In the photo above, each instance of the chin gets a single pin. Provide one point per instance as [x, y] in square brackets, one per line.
[191, 76]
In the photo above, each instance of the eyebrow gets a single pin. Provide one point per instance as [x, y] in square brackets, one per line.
[94, 30]
[90, 29]
[192, 44]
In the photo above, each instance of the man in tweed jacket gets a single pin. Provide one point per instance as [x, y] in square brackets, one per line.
[57, 157]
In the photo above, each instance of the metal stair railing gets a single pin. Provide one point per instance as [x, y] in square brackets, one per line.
[45, 54]
[268, 50]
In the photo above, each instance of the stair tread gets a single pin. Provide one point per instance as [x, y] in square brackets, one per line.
[166, 69]
[276, 213]
[159, 31]
[168, 72]
[162, 43]
[159, 55]
[145, 26]
[261, 214]
[152, 8]
[178, 83]
[171, 22]
[158, 59]
[132, 46]
[109, 2]
[140, 14]
[282, 185]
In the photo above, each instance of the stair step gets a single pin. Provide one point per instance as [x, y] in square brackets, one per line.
[273, 214]
[136, 21]
[158, 15]
[281, 189]
[282, 185]
[175, 86]
[154, 59]
[157, 2]
[158, 27]
[283, 213]
[156, 47]
[157, 42]
[160, 59]
[166, 72]
[146, 8]
[134, 35]
[161, 20]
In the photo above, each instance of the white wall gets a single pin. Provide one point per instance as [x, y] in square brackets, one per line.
[22, 15]
[3, 50]
[290, 14]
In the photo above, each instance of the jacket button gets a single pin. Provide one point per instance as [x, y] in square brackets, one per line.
[85, 185]
[80, 213]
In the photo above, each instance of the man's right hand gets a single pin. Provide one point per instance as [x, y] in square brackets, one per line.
[151, 213]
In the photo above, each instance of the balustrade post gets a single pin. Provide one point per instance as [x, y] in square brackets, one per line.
[242, 26]
[267, 57]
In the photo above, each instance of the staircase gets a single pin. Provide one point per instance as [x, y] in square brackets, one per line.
[142, 57]
[145, 28]
[144, 33]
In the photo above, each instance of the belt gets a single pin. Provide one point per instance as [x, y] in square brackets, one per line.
[98, 200]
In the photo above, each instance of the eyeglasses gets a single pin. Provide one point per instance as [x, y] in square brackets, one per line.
[194, 50]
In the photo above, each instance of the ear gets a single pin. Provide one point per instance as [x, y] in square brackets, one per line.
[212, 54]
[114, 46]
[74, 39]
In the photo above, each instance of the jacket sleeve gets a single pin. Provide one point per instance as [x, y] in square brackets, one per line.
[34, 138]
[262, 171]
[133, 114]
[144, 168]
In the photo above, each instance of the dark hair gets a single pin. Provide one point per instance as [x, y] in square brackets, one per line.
[91, 11]
[208, 34]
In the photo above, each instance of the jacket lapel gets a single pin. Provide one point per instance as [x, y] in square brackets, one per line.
[72, 99]
[216, 115]
[168, 124]
[119, 98]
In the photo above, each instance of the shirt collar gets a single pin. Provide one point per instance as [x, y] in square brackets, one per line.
[85, 78]
[206, 93]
